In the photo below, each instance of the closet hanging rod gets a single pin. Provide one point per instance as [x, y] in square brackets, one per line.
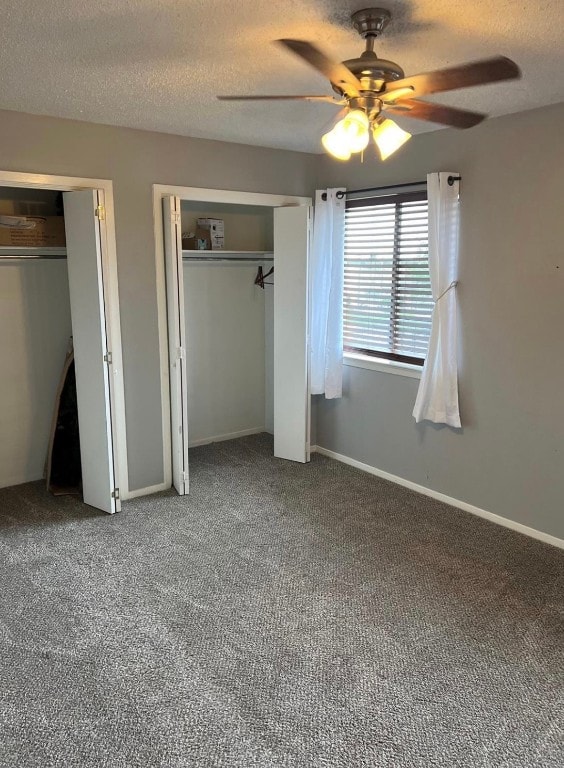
[21, 252]
[5, 258]
[220, 260]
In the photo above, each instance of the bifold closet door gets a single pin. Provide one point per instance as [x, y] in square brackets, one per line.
[85, 240]
[291, 333]
[176, 342]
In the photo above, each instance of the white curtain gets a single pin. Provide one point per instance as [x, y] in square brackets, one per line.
[437, 397]
[327, 276]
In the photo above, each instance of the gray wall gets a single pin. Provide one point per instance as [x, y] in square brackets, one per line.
[35, 330]
[508, 457]
[135, 160]
[225, 350]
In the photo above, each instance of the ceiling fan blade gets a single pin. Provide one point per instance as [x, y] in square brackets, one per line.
[328, 99]
[339, 75]
[476, 73]
[436, 113]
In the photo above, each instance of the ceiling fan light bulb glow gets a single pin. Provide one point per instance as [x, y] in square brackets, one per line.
[336, 144]
[356, 128]
[389, 137]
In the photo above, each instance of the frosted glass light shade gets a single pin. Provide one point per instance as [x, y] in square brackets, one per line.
[356, 125]
[389, 137]
[336, 143]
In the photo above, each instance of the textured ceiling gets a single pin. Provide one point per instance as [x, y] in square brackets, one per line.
[157, 65]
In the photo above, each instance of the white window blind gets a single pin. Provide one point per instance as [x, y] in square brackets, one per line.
[387, 301]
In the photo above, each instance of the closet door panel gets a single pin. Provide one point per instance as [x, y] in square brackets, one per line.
[291, 336]
[92, 357]
[176, 342]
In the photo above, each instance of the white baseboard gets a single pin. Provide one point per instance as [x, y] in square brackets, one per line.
[20, 479]
[125, 495]
[145, 491]
[491, 516]
[227, 436]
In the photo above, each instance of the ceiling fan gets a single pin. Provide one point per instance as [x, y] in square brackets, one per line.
[369, 88]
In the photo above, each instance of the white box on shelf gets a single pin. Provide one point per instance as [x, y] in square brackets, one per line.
[217, 232]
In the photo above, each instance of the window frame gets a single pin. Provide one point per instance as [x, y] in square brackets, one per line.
[404, 364]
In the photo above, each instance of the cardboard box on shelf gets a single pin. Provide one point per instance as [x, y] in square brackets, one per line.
[196, 241]
[49, 232]
[216, 230]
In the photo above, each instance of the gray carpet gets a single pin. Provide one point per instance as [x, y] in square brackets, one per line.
[282, 615]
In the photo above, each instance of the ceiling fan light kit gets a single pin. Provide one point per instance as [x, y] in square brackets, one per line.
[370, 88]
[352, 134]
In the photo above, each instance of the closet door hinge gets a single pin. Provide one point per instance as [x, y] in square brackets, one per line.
[180, 353]
[175, 217]
[115, 493]
[108, 358]
[101, 212]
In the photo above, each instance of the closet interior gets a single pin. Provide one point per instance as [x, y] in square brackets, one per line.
[229, 318]
[35, 328]
[237, 319]
[57, 395]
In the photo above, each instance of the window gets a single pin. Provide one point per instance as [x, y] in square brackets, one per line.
[387, 301]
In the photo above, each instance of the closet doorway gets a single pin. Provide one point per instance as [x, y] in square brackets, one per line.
[237, 361]
[58, 279]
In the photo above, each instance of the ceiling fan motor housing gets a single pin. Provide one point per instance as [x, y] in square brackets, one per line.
[372, 72]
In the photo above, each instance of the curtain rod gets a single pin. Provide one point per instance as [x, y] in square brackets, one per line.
[340, 195]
